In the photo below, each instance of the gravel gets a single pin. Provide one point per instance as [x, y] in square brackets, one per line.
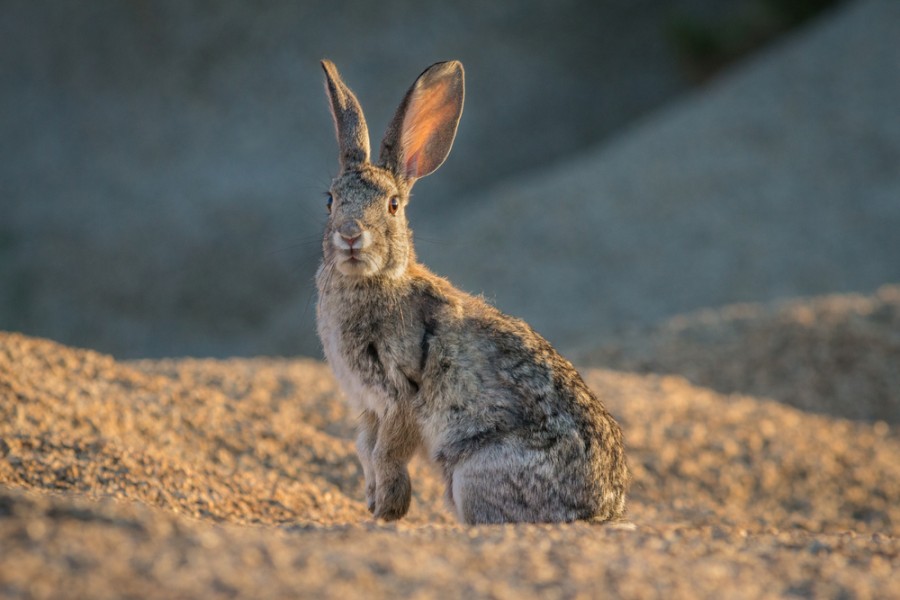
[237, 478]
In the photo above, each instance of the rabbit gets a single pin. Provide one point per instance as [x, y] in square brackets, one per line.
[514, 431]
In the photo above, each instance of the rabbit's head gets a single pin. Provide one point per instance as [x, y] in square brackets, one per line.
[367, 233]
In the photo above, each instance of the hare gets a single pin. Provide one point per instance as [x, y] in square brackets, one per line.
[515, 432]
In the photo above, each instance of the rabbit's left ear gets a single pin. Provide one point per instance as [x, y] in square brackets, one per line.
[421, 134]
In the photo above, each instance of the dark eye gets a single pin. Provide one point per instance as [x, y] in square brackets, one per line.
[393, 205]
[328, 201]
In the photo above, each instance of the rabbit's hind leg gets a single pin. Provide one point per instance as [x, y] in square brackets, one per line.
[511, 484]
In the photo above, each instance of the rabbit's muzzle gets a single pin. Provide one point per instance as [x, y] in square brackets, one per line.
[350, 242]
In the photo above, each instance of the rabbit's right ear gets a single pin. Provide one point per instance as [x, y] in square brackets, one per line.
[419, 138]
[349, 123]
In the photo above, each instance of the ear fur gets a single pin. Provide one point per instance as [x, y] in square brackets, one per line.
[349, 122]
[421, 134]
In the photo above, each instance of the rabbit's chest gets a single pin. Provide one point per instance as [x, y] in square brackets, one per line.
[351, 362]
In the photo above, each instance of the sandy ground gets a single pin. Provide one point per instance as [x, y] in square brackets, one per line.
[201, 478]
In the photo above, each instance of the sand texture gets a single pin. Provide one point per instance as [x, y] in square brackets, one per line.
[238, 478]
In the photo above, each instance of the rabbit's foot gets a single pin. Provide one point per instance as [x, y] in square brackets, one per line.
[393, 497]
[370, 496]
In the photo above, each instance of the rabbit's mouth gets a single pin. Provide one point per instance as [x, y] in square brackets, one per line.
[356, 263]
[352, 256]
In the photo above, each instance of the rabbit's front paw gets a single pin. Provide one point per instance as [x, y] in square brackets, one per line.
[393, 497]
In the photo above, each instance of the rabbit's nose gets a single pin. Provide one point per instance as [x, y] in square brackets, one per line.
[350, 231]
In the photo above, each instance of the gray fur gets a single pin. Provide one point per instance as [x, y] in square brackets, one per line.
[349, 124]
[515, 431]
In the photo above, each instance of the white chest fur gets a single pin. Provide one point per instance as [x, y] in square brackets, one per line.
[359, 395]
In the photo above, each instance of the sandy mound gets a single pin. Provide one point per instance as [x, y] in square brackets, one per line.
[838, 354]
[238, 478]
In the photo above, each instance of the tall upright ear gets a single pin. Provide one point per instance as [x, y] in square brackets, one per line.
[421, 134]
[349, 123]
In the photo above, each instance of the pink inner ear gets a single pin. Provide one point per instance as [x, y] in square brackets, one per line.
[412, 163]
[428, 112]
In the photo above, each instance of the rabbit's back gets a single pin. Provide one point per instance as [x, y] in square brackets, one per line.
[517, 432]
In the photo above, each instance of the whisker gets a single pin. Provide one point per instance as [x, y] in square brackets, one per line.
[309, 297]
[431, 240]
[311, 243]
[304, 273]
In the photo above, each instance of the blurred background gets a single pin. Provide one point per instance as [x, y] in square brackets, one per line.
[164, 163]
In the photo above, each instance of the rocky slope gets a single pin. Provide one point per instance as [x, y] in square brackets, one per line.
[164, 163]
[189, 144]
[779, 180]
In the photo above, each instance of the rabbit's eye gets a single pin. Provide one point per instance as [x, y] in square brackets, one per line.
[393, 205]
[329, 200]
